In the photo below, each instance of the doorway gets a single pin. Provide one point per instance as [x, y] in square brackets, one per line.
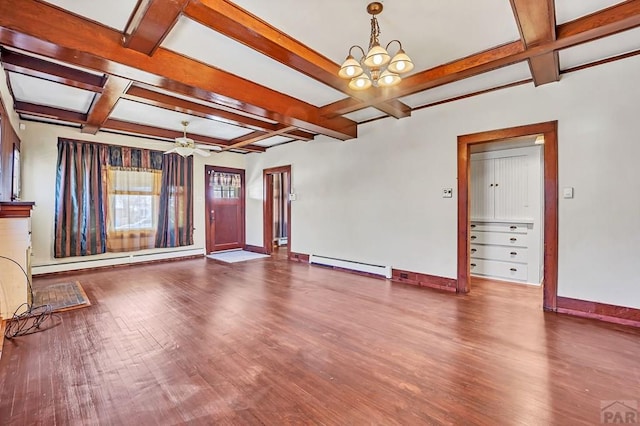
[277, 210]
[224, 208]
[550, 213]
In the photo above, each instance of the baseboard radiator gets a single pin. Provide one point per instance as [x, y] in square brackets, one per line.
[384, 271]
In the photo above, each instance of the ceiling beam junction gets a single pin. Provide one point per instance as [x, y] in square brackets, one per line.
[537, 25]
[150, 23]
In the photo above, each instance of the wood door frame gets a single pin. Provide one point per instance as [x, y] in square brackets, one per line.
[267, 208]
[207, 222]
[550, 257]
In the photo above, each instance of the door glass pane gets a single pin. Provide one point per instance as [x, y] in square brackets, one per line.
[225, 185]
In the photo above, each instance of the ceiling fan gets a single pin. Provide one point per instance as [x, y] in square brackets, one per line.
[186, 146]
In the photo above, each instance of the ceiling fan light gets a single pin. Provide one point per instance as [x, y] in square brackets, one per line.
[350, 68]
[388, 79]
[400, 63]
[361, 82]
[377, 57]
[184, 151]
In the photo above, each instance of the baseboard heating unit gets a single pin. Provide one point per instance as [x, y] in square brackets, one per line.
[384, 271]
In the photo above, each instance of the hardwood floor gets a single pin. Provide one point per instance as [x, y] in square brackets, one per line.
[275, 342]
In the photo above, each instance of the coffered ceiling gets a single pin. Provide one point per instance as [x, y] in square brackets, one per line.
[249, 75]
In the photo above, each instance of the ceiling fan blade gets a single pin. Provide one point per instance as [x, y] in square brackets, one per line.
[172, 150]
[209, 147]
[201, 152]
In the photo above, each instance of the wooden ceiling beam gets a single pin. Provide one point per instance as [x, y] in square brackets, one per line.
[150, 23]
[147, 96]
[537, 25]
[621, 17]
[241, 143]
[606, 22]
[40, 28]
[49, 112]
[150, 97]
[36, 67]
[238, 24]
[127, 127]
[300, 135]
[104, 103]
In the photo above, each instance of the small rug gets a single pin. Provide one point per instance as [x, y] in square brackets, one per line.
[61, 297]
[236, 256]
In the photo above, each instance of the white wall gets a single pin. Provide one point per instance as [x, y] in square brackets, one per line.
[377, 199]
[39, 156]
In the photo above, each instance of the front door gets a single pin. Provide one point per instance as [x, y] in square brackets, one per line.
[224, 215]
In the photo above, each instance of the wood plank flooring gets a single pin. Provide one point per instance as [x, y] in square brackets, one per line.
[275, 342]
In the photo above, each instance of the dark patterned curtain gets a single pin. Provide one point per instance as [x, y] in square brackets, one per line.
[175, 224]
[80, 215]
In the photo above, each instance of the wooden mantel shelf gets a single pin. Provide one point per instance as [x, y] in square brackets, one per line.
[16, 208]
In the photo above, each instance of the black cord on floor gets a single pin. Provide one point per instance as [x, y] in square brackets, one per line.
[32, 318]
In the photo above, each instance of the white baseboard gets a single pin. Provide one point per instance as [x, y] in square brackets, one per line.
[123, 259]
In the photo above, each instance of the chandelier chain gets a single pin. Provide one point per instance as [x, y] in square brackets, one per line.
[375, 32]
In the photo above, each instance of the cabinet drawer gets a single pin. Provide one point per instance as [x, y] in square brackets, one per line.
[495, 268]
[516, 228]
[499, 238]
[509, 254]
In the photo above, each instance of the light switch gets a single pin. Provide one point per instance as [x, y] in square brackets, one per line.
[447, 192]
[293, 197]
[567, 192]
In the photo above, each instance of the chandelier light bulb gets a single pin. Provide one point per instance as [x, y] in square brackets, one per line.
[377, 59]
[351, 71]
[400, 65]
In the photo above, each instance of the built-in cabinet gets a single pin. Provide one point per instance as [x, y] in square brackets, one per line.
[15, 260]
[506, 213]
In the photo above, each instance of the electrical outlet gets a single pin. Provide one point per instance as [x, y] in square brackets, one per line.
[447, 192]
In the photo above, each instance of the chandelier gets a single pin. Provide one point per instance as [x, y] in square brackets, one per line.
[375, 68]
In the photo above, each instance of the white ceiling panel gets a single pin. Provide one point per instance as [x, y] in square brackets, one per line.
[568, 10]
[431, 32]
[209, 104]
[42, 92]
[488, 80]
[365, 114]
[136, 112]
[603, 48]
[272, 141]
[202, 43]
[112, 13]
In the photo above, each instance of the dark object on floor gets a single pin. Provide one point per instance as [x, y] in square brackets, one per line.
[61, 297]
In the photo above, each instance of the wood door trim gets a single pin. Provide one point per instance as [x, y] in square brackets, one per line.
[267, 208]
[549, 130]
[207, 223]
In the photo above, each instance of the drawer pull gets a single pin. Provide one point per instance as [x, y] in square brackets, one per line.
[513, 270]
[513, 227]
[473, 237]
[473, 264]
[513, 253]
[474, 250]
[473, 226]
[513, 239]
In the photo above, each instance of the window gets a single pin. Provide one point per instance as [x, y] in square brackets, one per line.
[132, 214]
[225, 185]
